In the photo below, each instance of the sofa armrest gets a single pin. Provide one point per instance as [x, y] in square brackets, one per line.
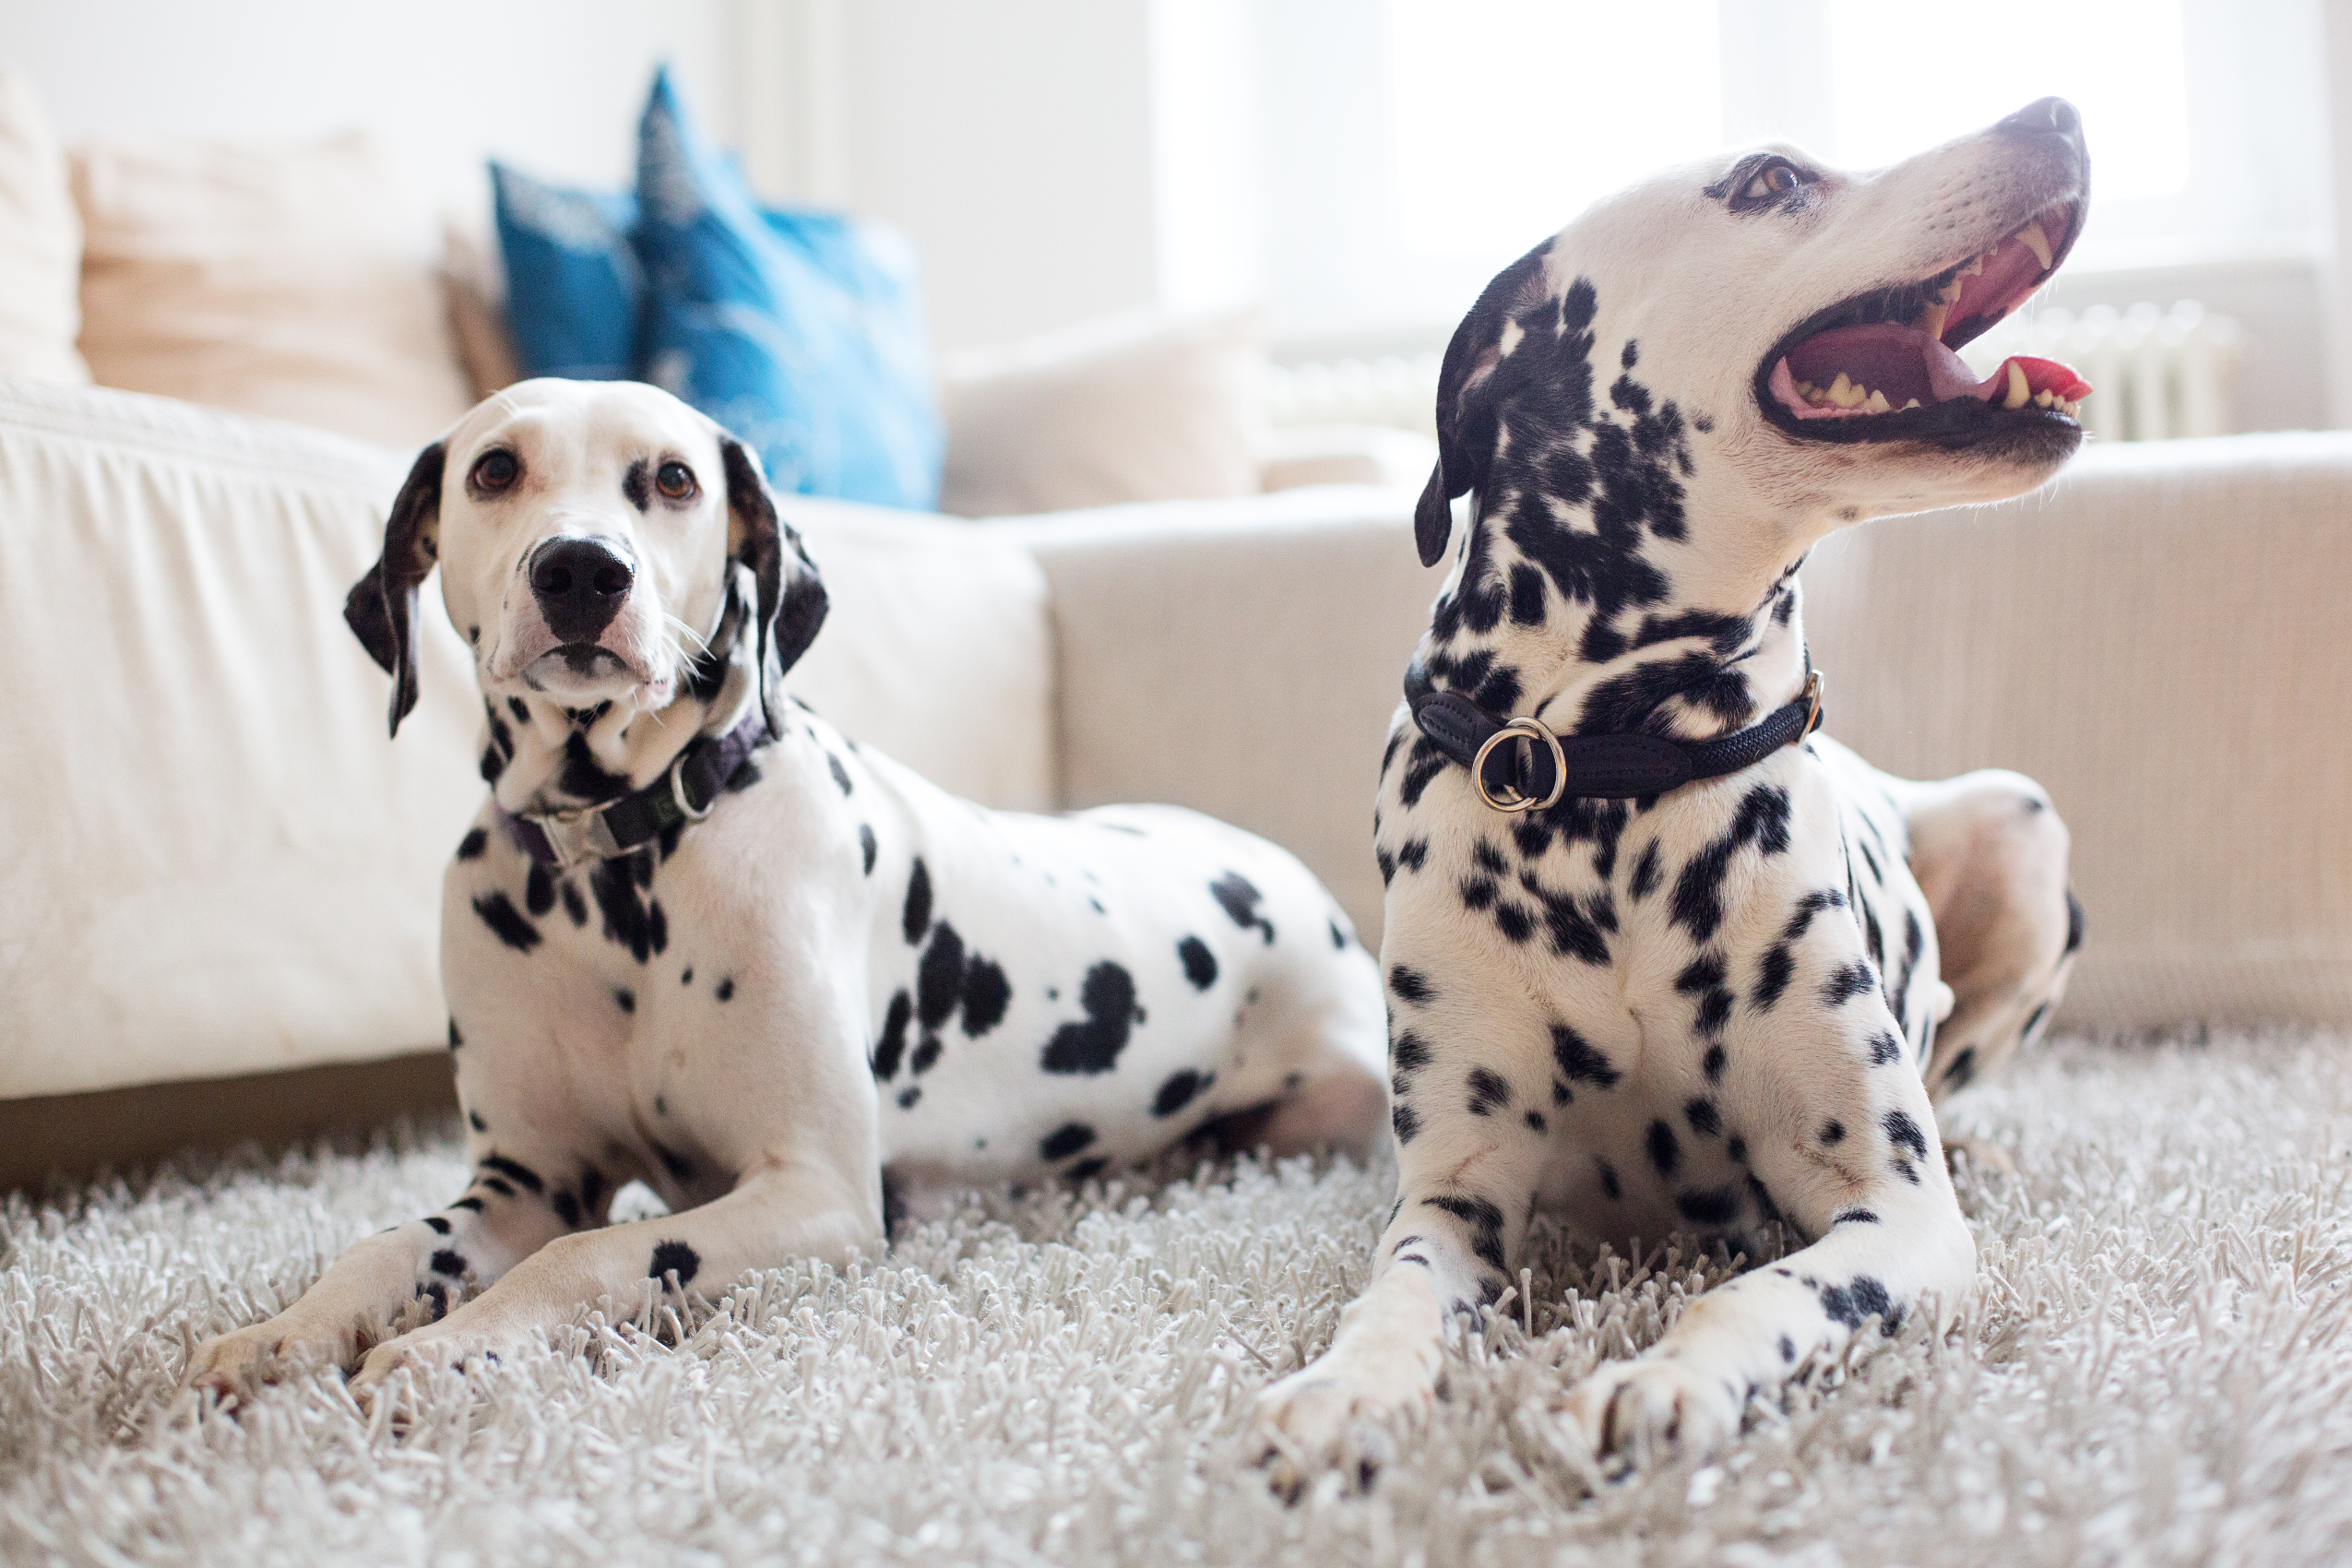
[215, 862]
[2160, 639]
[1242, 658]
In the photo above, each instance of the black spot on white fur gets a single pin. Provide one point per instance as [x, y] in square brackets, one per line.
[1093, 1044]
[1065, 1141]
[1239, 898]
[675, 1257]
[1178, 1090]
[506, 922]
[915, 917]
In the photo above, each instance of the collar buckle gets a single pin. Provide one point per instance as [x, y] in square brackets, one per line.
[1811, 693]
[577, 835]
[1512, 798]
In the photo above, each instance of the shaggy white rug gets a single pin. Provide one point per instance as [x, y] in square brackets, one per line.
[2157, 1370]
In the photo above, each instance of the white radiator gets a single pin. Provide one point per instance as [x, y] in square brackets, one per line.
[2153, 373]
[1393, 390]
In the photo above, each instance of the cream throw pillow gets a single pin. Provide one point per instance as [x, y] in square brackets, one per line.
[294, 281]
[40, 246]
[1133, 407]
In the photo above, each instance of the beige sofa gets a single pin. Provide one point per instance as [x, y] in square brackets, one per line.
[214, 864]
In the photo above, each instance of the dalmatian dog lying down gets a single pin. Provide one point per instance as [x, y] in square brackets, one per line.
[1660, 957]
[697, 937]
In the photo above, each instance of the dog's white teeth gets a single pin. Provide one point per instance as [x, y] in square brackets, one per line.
[1845, 394]
[1909, 406]
[2035, 242]
[1952, 290]
[2043, 399]
[1877, 404]
[2020, 390]
[1931, 320]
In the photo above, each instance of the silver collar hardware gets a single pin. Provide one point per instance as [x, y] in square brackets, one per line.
[577, 836]
[1606, 766]
[1522, 729]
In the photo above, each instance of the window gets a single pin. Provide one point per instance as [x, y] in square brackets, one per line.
[1903, 79]
[1418, 146]
[1513, 114]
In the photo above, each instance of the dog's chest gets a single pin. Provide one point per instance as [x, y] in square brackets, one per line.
[1647, 956]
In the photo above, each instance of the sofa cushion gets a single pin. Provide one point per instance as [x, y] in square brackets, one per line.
[40, 246]
[296, 281]
[1144, 407]
[574, 288]
[216, 862]
[801, 332]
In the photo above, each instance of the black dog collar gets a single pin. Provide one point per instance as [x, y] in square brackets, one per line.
[686, 791]
[1532, 776]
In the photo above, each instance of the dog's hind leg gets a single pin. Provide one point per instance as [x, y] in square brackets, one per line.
[1989, 854]
[1335, 1096]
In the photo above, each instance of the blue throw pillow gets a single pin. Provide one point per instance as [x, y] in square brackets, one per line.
[573, 285]
[801, 332]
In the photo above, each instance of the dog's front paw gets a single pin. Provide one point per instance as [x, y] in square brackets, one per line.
[1638, 1411]
[421, 1350]
[234, 1366]
[1322, 1419]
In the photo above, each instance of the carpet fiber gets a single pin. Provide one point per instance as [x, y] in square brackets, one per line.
[2156, 1371]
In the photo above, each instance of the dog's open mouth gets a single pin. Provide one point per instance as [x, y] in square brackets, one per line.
[1883, 366]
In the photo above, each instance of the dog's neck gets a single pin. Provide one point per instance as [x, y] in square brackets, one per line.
[1692, 638]
[540, 756]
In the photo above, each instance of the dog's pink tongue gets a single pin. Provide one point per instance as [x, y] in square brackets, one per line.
[1904, 363]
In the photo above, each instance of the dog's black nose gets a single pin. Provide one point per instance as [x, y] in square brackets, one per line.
[579, 584]
[2047, 117]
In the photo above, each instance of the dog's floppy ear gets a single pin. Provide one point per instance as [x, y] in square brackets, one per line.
[788, 612]
[1466, 423]
[382, 607]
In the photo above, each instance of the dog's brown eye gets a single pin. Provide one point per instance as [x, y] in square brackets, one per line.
[496, 469]
[1775, 179]
[675, 481]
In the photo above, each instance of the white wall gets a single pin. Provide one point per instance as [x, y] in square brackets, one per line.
[1053, 160]
[1012, 140]
[555, 86]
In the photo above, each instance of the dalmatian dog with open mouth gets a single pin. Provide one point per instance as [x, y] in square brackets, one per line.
[697, 937]
[1659, 956]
